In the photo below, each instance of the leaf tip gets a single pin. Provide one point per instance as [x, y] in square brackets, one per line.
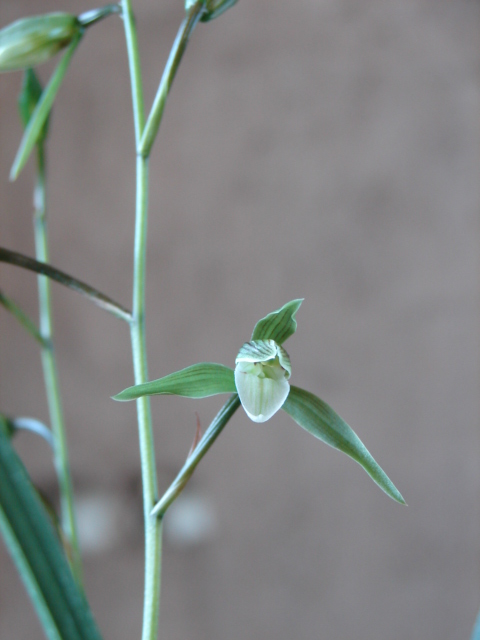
[13, 173]
[119, 397]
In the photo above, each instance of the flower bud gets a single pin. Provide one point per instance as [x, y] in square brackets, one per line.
[261, 373]
[31, 41]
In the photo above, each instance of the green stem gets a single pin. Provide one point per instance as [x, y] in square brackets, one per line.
[50, 371]
[178, 48]
[147, 449]
[153, 527]
[134, 68]
[185, 473]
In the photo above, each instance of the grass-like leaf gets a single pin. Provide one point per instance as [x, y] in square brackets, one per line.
[278, 325]
[198, 381]
[34, 129]
[319, 419]
[44, 269]
[23, 319]
[36, 550]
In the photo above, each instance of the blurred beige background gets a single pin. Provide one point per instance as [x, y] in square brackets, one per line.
[325, 149]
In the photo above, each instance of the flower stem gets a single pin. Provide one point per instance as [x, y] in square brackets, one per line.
[178, 48]
[185, 473]
[153, 527]
[50, 370]
[147, 450]
[147, 134]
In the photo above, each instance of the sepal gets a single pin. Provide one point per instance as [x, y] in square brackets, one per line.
[320, 420]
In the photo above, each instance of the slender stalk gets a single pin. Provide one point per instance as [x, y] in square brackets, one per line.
[147, 450]
[50, 371]
[185, 473]
[153, 526]
[134, 68]
[178, 48]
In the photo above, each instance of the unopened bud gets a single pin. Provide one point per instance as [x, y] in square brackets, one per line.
[31, 41]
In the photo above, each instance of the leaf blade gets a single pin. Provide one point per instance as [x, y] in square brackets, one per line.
[36, 550]
[197, 381]
[320, 420]
[278, 325]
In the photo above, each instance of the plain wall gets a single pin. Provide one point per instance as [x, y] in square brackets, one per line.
[325, 149]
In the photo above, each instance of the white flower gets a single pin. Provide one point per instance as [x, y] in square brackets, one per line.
[261, 376]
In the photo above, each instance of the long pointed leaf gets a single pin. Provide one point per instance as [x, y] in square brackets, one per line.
[198, 381]
[35, 548]
[44, 269]
[320, 420]
[278, 325]
[23, 319]
[42, 110]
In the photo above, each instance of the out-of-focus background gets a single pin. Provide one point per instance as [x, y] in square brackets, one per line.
[325, 149]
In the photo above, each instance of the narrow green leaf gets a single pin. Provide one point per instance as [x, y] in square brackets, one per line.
[278, 325]
[320, 420]
[42, 110]
[35, 548]
[23, 319]
[44, 269]
[197, 381]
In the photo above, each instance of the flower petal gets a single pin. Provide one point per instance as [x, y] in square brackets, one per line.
[261, 397]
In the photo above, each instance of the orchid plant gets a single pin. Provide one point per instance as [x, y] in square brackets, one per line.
[260, 384]
[46, 550]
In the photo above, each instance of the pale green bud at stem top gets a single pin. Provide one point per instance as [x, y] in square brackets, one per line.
[31, 41]
[261, 377]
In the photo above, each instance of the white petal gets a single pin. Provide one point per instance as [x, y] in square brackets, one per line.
[261, 397]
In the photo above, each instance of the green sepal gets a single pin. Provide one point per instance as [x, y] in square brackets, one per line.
[197, 381]
[28, 98]
[278, 325]
[33, 132]
[37, 553]
[320, 420]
